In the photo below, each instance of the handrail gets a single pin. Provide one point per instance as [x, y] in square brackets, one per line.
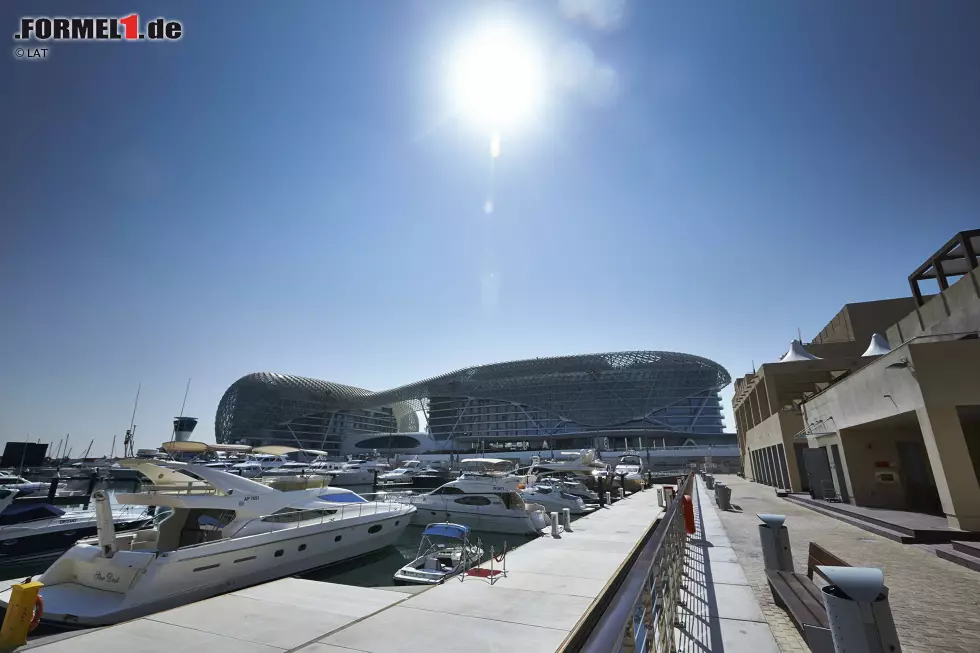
[652, 581]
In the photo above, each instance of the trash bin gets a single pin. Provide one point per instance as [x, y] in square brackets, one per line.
[723, 496]
[709, 481]
[858, 611]
[776, 553]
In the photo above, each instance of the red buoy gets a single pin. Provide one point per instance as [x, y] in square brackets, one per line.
[689, 515]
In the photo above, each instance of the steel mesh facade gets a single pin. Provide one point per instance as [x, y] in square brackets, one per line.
[541, 396]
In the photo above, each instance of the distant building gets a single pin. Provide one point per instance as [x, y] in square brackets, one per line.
[891, 421]
[616, 400]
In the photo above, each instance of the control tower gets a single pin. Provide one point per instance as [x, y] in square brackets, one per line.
[183, 427]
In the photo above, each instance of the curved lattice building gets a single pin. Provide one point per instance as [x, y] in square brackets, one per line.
[621, 392]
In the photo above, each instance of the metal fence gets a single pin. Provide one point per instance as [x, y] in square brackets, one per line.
[640, 613]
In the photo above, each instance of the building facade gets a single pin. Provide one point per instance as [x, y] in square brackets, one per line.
[644, 394]
[895, 426]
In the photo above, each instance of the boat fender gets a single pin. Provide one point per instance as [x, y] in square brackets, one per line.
[38, 613]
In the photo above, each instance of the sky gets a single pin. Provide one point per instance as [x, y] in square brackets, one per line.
[290, 188]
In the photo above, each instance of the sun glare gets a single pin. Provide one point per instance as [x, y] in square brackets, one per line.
[498, 79]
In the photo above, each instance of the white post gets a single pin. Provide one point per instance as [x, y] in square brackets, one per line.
[608, 498]
[554, 524]
[103, 524]
[566, 514]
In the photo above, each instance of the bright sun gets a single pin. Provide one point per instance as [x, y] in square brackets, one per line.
[498, 78]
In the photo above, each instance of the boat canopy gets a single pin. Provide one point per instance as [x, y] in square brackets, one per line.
[456, 531]
[279, 450]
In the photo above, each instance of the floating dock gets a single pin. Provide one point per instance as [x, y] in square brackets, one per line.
[550, 585]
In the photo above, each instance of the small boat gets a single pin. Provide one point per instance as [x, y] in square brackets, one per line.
[10, 481]
[445, 551]
[355, 472]
[485, 498]
[257, 465]
[554, 499]
[292, 468]
[34, 531]
[629, 473]
[403, 474]
[431, 478]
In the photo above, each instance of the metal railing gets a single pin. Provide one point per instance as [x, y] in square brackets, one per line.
[639, 611]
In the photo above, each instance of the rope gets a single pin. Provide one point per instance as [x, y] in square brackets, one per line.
[503, 553]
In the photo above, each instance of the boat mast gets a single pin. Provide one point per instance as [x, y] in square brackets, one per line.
[131, 433]
[89, 450]
[112, 451]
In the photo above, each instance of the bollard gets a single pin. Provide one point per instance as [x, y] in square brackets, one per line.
[709, 481]
[601, 493]
[609, 498]
[660, 496]
[858, 610]
[723, 496]
[554, 524]
[566, 518]
[776, 552]
[620, 493]
[689, 516]
[20, 613]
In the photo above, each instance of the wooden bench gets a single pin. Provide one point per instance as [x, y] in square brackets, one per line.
[803, 600]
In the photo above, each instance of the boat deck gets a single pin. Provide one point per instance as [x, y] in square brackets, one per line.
[550, 584]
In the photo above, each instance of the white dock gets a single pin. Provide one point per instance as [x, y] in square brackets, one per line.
[550, 585]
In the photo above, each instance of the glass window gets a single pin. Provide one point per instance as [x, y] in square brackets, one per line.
[474, 501]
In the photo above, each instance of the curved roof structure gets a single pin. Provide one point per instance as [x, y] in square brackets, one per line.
[592, 390]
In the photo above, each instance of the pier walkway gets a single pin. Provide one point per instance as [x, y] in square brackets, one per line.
[551, 583]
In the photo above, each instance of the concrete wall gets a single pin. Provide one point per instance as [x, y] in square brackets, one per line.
[862, 449]
[780, 428]
[954, 310]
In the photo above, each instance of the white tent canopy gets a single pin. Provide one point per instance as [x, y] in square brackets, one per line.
[797, 352]
[878, 347]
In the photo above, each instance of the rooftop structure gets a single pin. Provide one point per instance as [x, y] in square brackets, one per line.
[541, 397]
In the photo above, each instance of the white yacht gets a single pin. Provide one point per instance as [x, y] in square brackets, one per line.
[445, 550]
[258, 465]
[217, 532]
[554, 499]
[486, 499]
[403, 473]
[34, 531]
[11, 481]
[356, 472]
[291, 468]
[630, 468]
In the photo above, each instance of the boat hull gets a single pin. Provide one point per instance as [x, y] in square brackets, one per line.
[82, 588]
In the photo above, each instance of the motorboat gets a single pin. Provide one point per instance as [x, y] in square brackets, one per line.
[356, 472]
[403, 473]
[445, 551]
[291, 468]
[11, 481]
[324, 466]
[34, 531]
[214, 533]
[554, 499]
[257, 465]
[486, 498]
[431, 478]
[628, 472]
[571, 485]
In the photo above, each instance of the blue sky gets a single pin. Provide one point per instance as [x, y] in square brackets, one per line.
[286, 189]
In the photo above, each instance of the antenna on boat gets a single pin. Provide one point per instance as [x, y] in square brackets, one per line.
[180, 417]
[131, 431]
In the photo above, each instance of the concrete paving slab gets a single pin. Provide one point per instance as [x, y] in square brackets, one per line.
[146, 636]
[581, 564]
[553, 584]
[474, 599]
[252, 620]
[320, 647]
[728, 573]
[570, 542]
[403, 630]
[331, 597]
[721, 554]
[728, 635]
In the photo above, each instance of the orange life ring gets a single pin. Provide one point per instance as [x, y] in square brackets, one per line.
[38, 612]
